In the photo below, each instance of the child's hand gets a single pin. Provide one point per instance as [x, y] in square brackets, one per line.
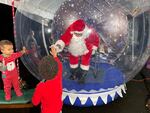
[24, 50]
[53, 51]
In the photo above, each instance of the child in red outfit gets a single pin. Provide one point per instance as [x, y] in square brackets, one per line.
[9, 72]
[49, 93]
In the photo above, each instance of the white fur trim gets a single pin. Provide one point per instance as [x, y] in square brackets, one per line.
[84, 67]
[72, 32]
[86, 52]
[94, 48]
[78, 31]
[61, 44]
[85, 30]
[73, 65]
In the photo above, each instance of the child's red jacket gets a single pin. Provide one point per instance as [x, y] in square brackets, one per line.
[49, 93]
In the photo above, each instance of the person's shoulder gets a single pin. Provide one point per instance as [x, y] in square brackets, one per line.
[40, 84]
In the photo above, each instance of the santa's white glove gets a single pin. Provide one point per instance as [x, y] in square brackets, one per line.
[59, 45]
[93, 51]
[56, 47]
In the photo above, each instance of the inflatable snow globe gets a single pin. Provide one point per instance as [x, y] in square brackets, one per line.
[102, 44]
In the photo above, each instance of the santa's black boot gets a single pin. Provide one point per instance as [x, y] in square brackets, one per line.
[82, 76]
[73, 75]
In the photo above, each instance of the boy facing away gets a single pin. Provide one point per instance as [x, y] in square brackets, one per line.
[49, 91]
[9, 71]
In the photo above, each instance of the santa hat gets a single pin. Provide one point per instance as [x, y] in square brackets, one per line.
[78, 26]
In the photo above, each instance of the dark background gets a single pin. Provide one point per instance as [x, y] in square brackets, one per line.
[133, 101]
[6, 22]
[6, 26]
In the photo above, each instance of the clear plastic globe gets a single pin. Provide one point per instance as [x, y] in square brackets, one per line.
[123, 25]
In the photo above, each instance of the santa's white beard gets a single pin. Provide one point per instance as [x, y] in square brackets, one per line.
[77, 46]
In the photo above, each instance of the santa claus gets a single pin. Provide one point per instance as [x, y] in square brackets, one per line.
[82, 42]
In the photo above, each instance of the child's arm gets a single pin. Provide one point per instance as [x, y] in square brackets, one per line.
[36, 98]
[54, 54]
[53, 51]
[20, 53]
[60, 68]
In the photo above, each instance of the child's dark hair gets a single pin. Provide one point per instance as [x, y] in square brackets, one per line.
[48, 67]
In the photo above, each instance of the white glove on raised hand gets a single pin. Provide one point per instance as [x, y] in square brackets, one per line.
[94, 49]
[59, 46]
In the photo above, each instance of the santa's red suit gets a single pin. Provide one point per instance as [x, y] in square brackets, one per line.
[79, 45]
